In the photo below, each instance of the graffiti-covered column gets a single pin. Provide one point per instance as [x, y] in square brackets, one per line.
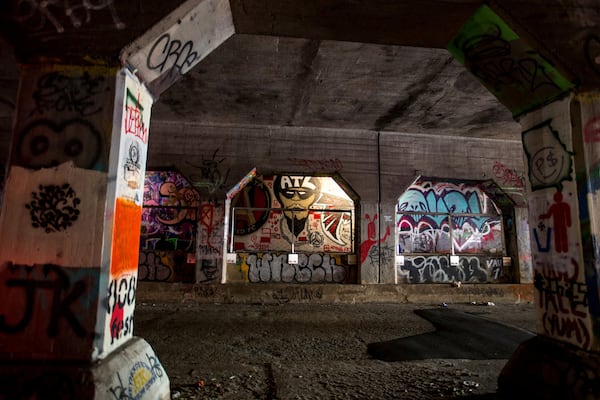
[562, 361]
[70, 225]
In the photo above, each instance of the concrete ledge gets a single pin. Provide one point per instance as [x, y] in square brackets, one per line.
[332, 293]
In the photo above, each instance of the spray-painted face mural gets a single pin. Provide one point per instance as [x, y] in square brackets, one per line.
[296, 195]
[314, 213]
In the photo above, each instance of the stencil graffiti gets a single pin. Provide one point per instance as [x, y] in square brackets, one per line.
[560, 214]
[437, 269]
[548, 159]
[313, 268]
[132, 168]
[53, 208]
[44, 144]
[62, 14]
[61, 93]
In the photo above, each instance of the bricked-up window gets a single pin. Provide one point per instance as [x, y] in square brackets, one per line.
[448, 217]
[292, 213]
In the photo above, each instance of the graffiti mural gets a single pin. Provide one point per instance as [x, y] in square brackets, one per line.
[311, 213]
[313, 268]
[169, 227]
[437, 217]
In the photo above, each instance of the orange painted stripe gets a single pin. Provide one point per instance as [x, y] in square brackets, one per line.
[126, 238]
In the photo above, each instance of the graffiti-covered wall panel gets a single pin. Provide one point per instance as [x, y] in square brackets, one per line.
[438, 269]
[437, 218]
[446, 217]
[169, 226]
[311, 213]
[274, 268]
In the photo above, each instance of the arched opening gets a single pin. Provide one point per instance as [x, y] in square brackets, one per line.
[291, 228]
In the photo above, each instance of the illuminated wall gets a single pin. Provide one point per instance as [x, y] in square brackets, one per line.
[436, 219]
[276, 215]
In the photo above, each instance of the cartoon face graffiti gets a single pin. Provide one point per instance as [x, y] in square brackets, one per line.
[296, 194]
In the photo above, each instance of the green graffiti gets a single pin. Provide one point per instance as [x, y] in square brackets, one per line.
[513, 71]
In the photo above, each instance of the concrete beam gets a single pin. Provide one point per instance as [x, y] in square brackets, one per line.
[178, 42]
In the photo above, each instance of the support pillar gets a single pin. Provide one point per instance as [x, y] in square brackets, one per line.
[562, 154]
[70, 228]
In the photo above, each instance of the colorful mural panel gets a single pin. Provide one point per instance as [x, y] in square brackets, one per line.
[169, 228]
[446, 217]
[437, 218]
[293, 213]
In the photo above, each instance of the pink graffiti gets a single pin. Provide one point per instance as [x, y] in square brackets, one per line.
[508, 176]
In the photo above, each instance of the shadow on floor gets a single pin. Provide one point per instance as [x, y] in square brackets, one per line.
[458, 335]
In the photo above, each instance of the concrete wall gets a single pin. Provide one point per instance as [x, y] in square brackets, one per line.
[377, 166]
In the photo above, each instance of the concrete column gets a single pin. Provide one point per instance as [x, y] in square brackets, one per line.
[70, 228]
[562, 155]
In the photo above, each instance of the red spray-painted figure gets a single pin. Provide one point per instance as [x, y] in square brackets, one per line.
[561, 218]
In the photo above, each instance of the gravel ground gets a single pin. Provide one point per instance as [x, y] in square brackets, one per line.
[311, 351]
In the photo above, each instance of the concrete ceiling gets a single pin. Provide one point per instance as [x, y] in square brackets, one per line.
[344, 64]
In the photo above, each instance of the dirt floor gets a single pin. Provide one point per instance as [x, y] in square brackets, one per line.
[311, 351]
